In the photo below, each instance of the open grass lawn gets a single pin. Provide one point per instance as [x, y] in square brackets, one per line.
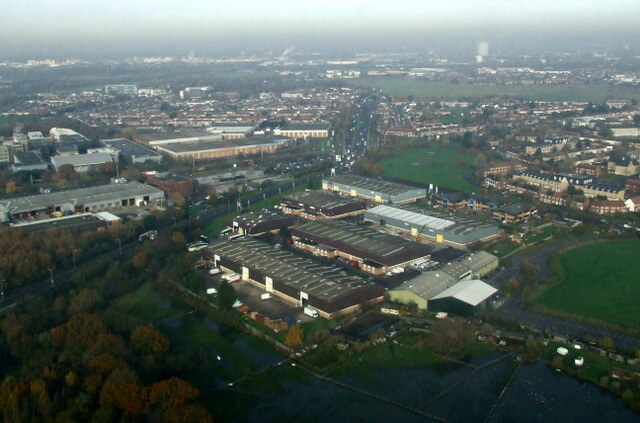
[442, 166]
[600, 281]
[404, 87]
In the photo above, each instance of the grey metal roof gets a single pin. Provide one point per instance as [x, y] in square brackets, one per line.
[427, 284]
[82, 159]
[301, 273]
[186, 147]
[129, 148]
[360, 238]
[371, 184]
[321, 199]
[474, 262]
[292, 126]
[422, 218]
[98, 194]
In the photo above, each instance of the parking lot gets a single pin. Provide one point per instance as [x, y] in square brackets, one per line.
[249, 294]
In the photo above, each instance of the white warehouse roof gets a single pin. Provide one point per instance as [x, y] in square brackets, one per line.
[472, 292]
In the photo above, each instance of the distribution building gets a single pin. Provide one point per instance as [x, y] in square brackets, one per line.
[438, 227]
[296, 279]
[132, 152]
[256, 223]
[318, 205]
[81, 200]
[371, 251]
[376, 190]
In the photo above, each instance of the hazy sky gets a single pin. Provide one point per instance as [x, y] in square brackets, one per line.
[124, 27]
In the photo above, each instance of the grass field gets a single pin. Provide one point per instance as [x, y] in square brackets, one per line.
[401, 87]
[432, 165]
[600, 281]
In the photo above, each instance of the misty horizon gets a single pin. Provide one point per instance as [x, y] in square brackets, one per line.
[50, 29]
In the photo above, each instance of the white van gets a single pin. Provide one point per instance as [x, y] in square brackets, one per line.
[266, 296]
[214, 271]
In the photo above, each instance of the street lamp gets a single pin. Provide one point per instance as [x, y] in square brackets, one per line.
[174, 221]
[2, 290]
[51, 274]
[119, 245]
[73, 254]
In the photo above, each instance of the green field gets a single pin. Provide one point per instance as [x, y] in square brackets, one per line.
[432, 165]
[401, 87]
[599, 281]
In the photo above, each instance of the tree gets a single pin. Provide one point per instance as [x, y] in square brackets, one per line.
[294, 337]
[123, 390]
[10, 187]
[148, 340]
[226, 295]
[450, 335]
[178, 239]
[140, 260]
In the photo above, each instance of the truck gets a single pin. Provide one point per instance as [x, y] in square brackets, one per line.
[211, 291]
[266, 296]
[147, 235]
[310, 311]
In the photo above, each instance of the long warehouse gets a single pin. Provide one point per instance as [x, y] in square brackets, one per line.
[296, 279]
[438, 227]
[318, 205]
[372, 251]
[373, 189]
[81, 200]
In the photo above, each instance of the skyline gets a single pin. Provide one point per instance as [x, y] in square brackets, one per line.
[88, 29]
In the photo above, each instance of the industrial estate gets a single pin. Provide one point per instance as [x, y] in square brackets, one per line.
[406, 233]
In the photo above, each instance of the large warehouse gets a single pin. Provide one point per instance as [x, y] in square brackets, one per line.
[439, 291]
[304, 130]
[318, 205]
[80, 200]
[474, 265]
[259, 222]
[296, 279]
[132, 152]
[372, 251]
[373, 189]
[438, 227]
[222, 148]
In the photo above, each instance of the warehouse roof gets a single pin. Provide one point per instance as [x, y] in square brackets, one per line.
[292, 126]
[129, 148]
[98, 194]
[371, 184]
[216, 145]
[264, 216]
[362, 242]
[472, 292]
[422, 218]
[81, 159]
[474, 262]
[427, 284]
[170, 135]
[321, 199]
[301, 273]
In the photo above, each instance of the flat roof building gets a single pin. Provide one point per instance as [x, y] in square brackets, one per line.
[437, 227]
[28, 161]
[256, 223]
[474, 265]
[304, 130]
[317, 205]
[232, 130]
[81, 162]
[227, 148]
[81, 200]
[131, 151]
[372, 251]
[296, 279]
[74, 222]
[440, 291]
[376, 190]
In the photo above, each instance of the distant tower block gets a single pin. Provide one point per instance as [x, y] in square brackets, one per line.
[483, 48]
